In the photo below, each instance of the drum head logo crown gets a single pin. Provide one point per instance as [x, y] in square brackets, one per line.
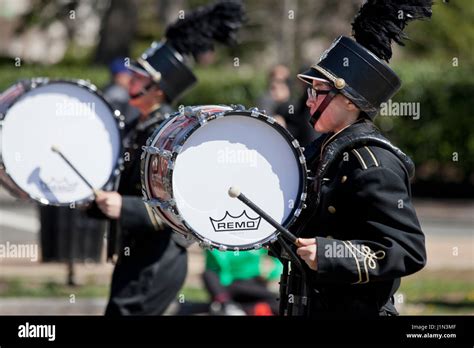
[235, 223]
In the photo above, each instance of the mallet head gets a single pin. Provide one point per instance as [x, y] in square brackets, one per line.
[55, 148]
[234, 192]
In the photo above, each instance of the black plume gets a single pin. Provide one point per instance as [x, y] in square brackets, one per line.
[197, 32]
[381, 21]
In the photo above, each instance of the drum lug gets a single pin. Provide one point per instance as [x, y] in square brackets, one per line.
[297, 212]
[189, 112]
[238, 107]
[270, 119]
[220, 114]
[202, 117]
[199, 115]
[205, 244]
[257, 246]
[254, 112]
[165, 205]
[121, 119]
[156, 151]
[222, 248]
[295, 144]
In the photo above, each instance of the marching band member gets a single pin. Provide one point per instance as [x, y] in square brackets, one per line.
[152, 260]
[360, 233]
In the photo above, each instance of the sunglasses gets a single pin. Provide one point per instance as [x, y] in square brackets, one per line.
[313, 93]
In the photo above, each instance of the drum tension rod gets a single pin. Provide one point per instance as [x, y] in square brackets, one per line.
[156, 151]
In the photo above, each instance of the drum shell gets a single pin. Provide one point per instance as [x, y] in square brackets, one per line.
[157, 169]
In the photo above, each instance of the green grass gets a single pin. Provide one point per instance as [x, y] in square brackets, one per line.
[21, 287]
[195, 294]
[439, 292]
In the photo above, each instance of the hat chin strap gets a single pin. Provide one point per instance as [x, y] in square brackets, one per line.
[319, 111]
[143, 91]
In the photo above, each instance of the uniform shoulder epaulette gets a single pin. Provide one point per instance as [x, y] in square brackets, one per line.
[366, 157]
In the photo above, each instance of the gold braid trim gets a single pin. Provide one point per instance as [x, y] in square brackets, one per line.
[369, 261]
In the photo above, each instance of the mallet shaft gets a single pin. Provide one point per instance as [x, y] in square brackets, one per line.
[58, 151]
[287, 234]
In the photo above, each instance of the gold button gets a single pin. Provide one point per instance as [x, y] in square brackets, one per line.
[331, 209]
[339, 83]
[343, 179]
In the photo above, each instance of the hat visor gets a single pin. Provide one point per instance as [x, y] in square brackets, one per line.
[137, 68]
[311, 75]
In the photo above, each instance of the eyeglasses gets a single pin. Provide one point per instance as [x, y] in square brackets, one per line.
[313, 93]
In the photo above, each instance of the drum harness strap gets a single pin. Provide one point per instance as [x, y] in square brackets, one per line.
[325, 103]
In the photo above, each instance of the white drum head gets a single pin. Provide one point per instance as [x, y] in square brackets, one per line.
[239, 151]
[74, 119]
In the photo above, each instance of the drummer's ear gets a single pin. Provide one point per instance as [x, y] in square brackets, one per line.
[350, 106]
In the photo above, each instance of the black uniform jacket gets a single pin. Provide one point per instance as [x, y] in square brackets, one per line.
[361, 214]
[151, 265]
[137, 222]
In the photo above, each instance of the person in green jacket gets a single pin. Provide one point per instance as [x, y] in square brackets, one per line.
[237, 282]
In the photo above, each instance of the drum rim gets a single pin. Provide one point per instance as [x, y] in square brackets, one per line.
[238, 111]
[33, 83]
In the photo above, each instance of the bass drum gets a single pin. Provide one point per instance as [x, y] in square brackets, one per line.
[36, 115]
[190, 163]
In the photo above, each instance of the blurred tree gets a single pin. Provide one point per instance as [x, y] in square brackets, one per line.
[45, 12]
[119, 21]
[168, 10]
[448, 34]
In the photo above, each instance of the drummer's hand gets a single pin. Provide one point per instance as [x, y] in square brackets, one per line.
[307, 251]
[110, 203]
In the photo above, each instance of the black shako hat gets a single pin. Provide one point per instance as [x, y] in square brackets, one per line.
[355, 68]
[167, 68]
[165, 61]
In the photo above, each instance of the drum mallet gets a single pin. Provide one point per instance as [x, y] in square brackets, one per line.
[56, 149]
[234, 192]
